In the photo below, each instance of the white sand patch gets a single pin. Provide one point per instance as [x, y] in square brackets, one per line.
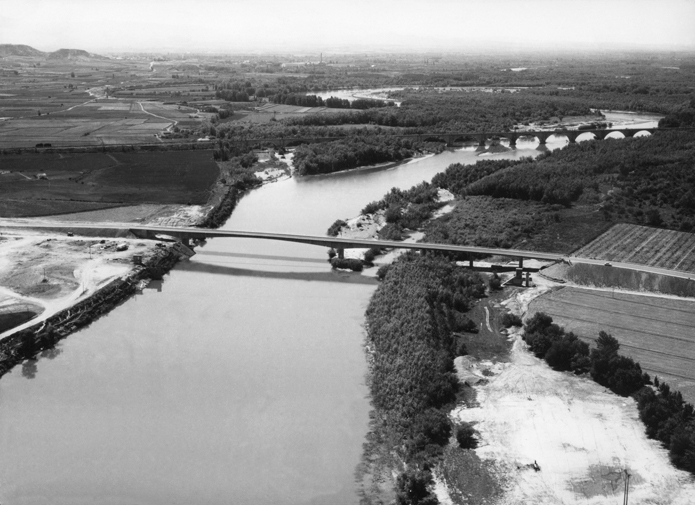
[271, 174]
[444, 210]
[183, 215]
[581, 435]
[441, 491]
[288, 160]
[444, 195]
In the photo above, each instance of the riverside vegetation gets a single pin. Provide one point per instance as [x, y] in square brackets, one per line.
[413, 324]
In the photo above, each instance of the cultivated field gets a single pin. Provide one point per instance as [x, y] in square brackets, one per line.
[89, 181]
[631, 243]
[65, 103]
[655, 331]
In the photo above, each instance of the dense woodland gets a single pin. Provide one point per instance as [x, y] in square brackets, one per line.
[457, 111]
[350, 152]
[647, 180]
[666, 416]
[411, 323]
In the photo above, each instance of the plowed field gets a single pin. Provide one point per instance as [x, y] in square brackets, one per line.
[643, 245]
[657, 332]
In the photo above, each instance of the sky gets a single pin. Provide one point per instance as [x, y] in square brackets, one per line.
[310, 25]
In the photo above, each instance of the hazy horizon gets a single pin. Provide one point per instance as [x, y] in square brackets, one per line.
[217, 26]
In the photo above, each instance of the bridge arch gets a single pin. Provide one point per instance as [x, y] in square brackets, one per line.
[617, 134]
[462, 139]
[585, 135]
[435, 138]
[642, 133]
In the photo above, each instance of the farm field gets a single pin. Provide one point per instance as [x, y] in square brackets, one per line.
[89, 181]
[64, 102]
[655, 331]
[98, 122]
[631, 243]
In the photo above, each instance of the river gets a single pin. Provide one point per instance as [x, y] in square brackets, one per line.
[239, 379]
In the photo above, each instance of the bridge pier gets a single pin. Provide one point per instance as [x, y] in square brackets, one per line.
[341, 253]
[481, 140]
[600, 134]
[186, 241]
[512, 139]
[628, 133]
[542, 137]
[572, 136]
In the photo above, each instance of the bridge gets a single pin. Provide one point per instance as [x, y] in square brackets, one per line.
[185, 235]
[450, 138]
[453, 137]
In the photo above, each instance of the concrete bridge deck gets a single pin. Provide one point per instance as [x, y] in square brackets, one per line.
[186, 234]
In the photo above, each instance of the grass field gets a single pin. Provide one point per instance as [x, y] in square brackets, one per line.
[631, 243]
[89, 181]
[655, 331]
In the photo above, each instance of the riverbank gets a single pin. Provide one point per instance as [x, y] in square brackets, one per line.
[28, 342]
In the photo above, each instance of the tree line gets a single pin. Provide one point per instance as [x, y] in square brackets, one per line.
[332, 102]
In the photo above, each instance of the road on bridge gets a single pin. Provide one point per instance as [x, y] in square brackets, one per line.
[334, 242]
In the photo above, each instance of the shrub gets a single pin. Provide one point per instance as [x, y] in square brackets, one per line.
[347, 263]
[383, 270]
[495, 282]
[393, 213]
[370, 254]
[391, 232]
[465, 436]
[509, 320]
[462, 350]
[413, 488]
[568, 353]
[334, 229]
[370, 208]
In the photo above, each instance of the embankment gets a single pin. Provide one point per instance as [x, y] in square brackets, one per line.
[28, 343]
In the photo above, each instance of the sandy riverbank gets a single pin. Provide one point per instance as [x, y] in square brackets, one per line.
[367, 226]
[47, 273]
[582, 436]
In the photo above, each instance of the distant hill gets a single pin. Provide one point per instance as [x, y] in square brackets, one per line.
[19, 50]
[72, 54]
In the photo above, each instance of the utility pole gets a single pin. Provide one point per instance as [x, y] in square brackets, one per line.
[626, 493]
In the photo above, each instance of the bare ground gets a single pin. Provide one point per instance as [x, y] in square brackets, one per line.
[46, 273]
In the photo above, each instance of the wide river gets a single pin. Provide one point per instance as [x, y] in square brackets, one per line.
[240, 380]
